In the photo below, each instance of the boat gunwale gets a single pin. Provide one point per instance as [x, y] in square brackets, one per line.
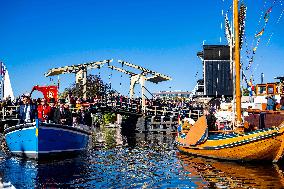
[48, 125]
[233, 144]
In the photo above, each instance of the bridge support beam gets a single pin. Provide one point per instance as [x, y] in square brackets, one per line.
[133, 81]
[81, 76]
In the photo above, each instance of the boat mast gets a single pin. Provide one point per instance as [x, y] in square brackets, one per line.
[237, 61]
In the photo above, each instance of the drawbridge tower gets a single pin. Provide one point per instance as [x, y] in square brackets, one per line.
[79, 70]
[144, 75]
[140, 78]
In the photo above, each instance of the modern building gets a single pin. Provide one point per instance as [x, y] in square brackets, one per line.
[172, 94]
[217, 70]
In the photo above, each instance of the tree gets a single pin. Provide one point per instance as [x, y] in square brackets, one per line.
[95, 87]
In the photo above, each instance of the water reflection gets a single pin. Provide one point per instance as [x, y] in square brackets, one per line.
[150, 164]
[137, 161]
[222, 174]
[108, 137]
[53, 174]
[62, 174]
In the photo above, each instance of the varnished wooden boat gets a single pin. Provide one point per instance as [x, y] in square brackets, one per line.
[265, 144]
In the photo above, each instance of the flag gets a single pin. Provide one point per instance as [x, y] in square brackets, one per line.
[47, 91]
[259, 33]
[2, 70]
[242, 18]
[267, 14]
[266, 17]
[228, 29]
[269, 10]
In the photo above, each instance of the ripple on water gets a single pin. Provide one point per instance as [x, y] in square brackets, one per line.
[148, 161]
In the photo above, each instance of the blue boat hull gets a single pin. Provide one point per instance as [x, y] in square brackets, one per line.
[37, 140]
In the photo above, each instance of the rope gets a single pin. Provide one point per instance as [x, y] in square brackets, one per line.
[109, 77]
[277, 22]
[258, 34]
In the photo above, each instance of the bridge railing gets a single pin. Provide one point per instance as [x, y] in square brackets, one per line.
[10, 112]
[130, 106]
[164, 111]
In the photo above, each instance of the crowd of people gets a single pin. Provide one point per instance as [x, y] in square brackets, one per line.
[74, 110]
[52, 111]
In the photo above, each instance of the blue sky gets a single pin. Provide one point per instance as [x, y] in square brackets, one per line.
[162, 35]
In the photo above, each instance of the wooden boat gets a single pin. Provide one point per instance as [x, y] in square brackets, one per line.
[258, 116]
[266, 144]
[261, 144]
[42, 140]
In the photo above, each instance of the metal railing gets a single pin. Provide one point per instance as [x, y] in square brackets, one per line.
[10, 112]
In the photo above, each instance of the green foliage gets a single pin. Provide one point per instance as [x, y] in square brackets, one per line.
[109, 136]
[109, 118]
[95, 87]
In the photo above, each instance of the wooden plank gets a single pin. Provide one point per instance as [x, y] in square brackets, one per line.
[196, 131]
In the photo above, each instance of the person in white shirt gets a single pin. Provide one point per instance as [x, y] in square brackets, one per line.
[27, 112]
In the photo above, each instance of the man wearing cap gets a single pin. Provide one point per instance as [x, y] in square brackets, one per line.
[54, 111]
[65, 114]
[84, 116]
[27, 111]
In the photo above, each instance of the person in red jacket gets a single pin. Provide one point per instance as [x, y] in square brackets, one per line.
[43, 110]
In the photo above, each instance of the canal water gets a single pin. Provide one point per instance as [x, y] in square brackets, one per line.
[136, 161]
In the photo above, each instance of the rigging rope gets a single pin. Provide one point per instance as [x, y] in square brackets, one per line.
[277, 22]
[250, 53]
[109, 78]
[259, 34]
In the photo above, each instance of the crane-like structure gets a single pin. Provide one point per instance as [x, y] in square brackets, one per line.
[140, 78]
[79, 70]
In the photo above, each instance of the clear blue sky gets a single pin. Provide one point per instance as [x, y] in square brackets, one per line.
[162, 35]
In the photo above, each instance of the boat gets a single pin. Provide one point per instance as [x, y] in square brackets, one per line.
[236, 144]
[264, 144]
[42, 139]
[257, 114]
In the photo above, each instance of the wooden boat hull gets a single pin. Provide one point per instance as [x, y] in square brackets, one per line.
[266, 144]
[41, 140]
